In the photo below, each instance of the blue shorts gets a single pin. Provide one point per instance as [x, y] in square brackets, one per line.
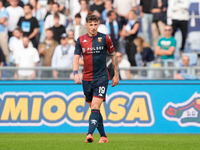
[95, 88]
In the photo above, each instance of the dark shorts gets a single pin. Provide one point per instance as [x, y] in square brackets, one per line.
[95, 88]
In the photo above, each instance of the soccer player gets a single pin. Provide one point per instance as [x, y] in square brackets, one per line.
[94, 46]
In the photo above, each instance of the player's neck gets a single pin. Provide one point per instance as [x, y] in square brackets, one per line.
[92, 35]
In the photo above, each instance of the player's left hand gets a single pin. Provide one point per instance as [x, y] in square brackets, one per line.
[115, 80]
[77, 79]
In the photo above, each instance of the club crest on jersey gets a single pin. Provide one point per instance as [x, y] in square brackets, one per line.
[99, 39]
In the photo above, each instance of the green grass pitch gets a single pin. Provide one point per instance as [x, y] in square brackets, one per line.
[116, 142]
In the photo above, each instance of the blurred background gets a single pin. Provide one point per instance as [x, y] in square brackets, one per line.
[154, 39]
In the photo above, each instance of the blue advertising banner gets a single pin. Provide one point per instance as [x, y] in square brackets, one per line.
[131, 107]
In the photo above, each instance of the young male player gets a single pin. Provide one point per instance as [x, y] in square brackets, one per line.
[94, 46]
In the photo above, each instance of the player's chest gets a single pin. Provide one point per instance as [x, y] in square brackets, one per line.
[93, 46]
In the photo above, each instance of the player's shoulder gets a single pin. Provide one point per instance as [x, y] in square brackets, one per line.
[82, 38]
[102, 35]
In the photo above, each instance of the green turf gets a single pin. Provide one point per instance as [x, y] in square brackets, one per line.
[116, 142]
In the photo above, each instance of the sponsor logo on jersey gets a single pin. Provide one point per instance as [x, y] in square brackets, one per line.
[186, 113]
[84, 41]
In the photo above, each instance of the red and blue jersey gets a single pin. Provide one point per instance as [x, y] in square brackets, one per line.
[94, 50]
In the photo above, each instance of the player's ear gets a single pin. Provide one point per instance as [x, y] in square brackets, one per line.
[86, 25]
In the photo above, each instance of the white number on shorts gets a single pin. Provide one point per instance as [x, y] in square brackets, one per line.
[102, 89]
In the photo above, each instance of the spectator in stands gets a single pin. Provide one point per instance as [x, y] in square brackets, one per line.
[129, 33]
[29, 24]
[26, 58]
[147, 55]
[73, 8]
[166, 48]
[49, 22]
[2, 60]
[70, 34]
[114, 28]
[108, 7]
[147, 18]
[71, 40]
[58, 29]
[123, 63]
[20, 3]
[123, 7]
[36, 11]
[15, 12]
[84, 12]
[61, 5]
[63, 57]
[49, 9]
[158, 9]
[180, 17]
[16, 43]
[46, 50]
[78, 28]
[102, 27]
[97, 7]
[183, 74]
[3, 31]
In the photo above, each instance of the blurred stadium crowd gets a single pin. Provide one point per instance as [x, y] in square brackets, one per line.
[43, 33]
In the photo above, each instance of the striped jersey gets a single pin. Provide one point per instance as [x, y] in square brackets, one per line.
[94, 50]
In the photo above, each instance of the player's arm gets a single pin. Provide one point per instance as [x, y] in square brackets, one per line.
[77, 53]
[77, 78]
[115, 79]
[111, 50]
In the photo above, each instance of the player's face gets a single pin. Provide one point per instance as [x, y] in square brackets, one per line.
[92, 28]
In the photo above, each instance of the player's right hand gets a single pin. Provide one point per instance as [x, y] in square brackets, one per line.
[77, 79]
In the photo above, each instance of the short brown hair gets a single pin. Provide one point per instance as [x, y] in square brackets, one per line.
[56, 15]
[92, 18]
[87, 2]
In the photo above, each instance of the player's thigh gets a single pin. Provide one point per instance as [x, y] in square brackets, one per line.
[100, 88]
[96, 103]
[88, 91]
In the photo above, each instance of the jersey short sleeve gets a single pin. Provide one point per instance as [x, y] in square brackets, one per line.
[77, 47]
[159, 42]
[173, 44]
[109, 44]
